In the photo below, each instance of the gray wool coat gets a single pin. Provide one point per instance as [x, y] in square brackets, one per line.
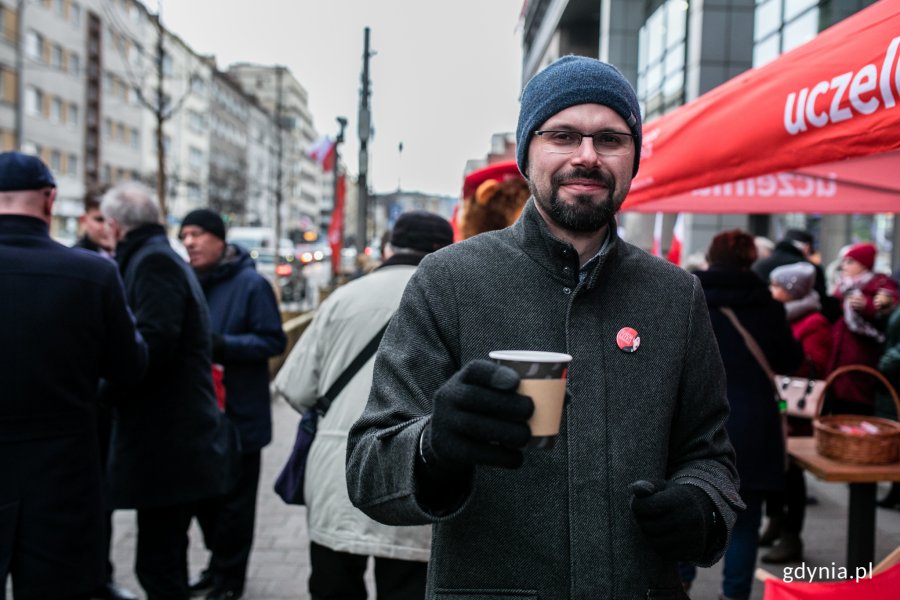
[561, 525]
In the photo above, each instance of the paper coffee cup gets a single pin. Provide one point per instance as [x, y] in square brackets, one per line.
[543, 378]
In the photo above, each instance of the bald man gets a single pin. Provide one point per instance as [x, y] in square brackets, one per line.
[65, 325]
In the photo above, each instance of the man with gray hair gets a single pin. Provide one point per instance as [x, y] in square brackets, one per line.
[171, 446]
[65, 324]
[642, 473]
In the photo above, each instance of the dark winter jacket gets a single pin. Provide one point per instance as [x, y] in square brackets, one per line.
[890, 360]
[754, 424]
[559, 526]
[170, 443]
[244, 312]
[889, 364]
[64, 324]
[785, 253]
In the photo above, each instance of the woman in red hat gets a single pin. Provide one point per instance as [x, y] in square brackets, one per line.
[859, 333]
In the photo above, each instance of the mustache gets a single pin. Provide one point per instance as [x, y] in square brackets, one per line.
[584, 174]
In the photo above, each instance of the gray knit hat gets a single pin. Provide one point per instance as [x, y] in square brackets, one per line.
[570, 81]
[796, 279]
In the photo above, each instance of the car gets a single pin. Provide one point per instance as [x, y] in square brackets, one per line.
[286, 277]
[258, 237]
[312, 252]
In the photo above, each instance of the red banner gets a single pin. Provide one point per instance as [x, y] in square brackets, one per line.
[859, 585]
[831, 99]
[336, 227]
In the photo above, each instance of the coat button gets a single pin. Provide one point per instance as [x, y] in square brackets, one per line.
[567, 290]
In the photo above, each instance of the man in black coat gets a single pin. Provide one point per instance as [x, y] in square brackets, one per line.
[171, 446]
[64, 324]
[797, 246]
[96, 238]
[247, 332]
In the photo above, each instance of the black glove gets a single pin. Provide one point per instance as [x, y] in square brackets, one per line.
[478, 419]
[678, 520]
[218, 348]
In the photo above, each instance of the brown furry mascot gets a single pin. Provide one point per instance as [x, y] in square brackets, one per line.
[493, 198]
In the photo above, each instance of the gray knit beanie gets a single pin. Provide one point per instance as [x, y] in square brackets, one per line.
[570, 81]
[796, 279]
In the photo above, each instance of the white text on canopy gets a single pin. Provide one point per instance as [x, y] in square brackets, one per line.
[867, 91]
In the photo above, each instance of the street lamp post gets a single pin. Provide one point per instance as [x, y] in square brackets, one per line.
[364, 133]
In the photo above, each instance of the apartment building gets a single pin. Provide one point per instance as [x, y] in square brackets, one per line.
[186, 80]
[301, 177]
[88, 74]
[673, 51]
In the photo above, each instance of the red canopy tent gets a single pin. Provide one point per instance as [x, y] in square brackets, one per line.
[816, 130]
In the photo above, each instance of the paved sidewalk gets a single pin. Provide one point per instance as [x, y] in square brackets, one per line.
[279, 565]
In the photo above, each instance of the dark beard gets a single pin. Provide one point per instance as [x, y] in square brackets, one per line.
[584, 216]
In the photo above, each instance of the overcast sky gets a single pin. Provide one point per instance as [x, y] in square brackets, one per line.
[446, 75]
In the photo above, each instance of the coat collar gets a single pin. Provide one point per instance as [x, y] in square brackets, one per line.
[23, 225]
[557, 257]
[135, 239]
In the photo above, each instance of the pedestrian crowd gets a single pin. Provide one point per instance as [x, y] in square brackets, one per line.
[135, 380]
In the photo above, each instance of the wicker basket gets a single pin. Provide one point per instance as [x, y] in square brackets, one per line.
[879, 447]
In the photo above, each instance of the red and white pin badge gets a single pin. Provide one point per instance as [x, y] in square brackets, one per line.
[628, 339]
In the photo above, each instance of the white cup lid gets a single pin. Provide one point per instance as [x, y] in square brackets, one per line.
[530, 356]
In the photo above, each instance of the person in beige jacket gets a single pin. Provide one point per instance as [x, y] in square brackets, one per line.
[341, 536]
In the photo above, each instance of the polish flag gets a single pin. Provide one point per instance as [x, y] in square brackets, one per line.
[321, 149]
[656, 250]
[674, 254]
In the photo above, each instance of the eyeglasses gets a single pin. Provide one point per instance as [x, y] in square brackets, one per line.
[606, 143]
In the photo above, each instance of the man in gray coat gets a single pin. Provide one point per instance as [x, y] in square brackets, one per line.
[642, 473]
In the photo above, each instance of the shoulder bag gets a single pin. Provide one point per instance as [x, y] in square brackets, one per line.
[289, 485]
[797, 396]
[757, 353]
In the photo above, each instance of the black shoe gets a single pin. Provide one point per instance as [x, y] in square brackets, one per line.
[113, 591]
[788, 548]
[225, 595]
[772, 531]
[892, 500]
[889, 502]
[202, 584]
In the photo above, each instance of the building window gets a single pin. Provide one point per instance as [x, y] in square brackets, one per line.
[56, 161]
[34, 100]
[661, 59]
[56, 108]
[196, 158]
[73, 166]
[73, 114]
[74, 64]
[135, 55]
[196, 122]
[198, 86]
[782, 25]
[135, 138]
[56, 56]
[59, 8]
[75, 14]
[34, 46]
[167, 65]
